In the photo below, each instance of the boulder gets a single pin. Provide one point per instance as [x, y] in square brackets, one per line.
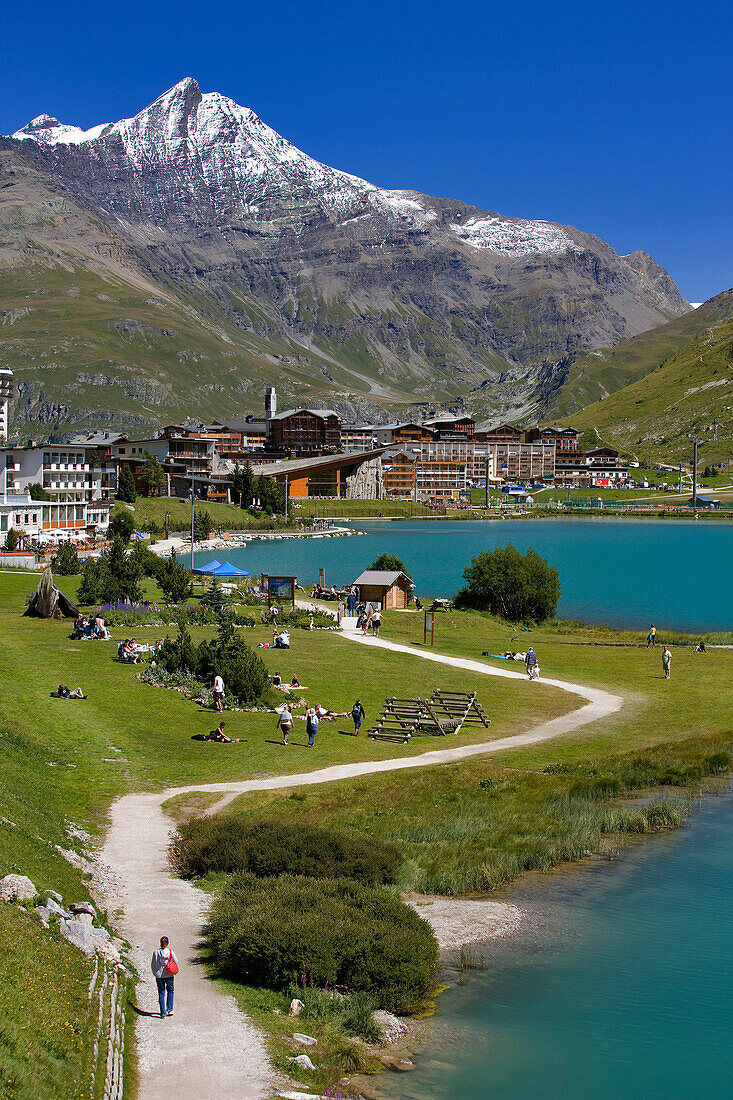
[79, 934]
[16, 888]
[54, 895]
[296, 1007]
[52, 908]
[306, 1040]
[304, 1061]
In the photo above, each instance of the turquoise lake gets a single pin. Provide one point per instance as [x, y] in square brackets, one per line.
[626, 573]
[619, 985]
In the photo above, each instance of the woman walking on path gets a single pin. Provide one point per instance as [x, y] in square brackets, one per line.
[285, 723]
[667, 663]
[164, 966]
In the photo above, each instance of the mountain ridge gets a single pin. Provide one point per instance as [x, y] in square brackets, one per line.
[423, 297]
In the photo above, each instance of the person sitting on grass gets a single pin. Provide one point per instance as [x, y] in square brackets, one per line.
[277, 680]
[295, 682]
[700, 647]
[219, 736]
[281, 640]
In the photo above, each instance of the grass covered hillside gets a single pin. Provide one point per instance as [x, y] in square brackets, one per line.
[594, 375]
[654, 416]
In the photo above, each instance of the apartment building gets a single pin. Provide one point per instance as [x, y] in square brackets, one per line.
[398, 473]
[68, 472]
[304, 432]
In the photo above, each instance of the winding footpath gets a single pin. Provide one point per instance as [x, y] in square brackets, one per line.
[209, 1047]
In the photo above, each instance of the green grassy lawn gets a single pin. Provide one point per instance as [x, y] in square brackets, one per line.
[155, 509]
[65, 761]
[327, 508]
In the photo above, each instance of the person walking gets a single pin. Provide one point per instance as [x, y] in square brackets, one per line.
[164, 966]
[358, 714]
[651, 637]
[530, 662]
[376, 623]
[217, 693]
[311, 725]
[667, 663]
[285, 723]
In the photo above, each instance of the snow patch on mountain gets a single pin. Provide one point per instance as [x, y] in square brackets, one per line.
[49, 131]
[514, 238]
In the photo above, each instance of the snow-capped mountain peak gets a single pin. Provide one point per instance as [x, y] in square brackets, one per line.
[245, 167]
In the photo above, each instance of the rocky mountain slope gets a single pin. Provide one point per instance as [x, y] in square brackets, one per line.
[285, 269]
[689, 392]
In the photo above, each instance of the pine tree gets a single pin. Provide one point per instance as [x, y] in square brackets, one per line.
[152, 476]
[126, 484]
[65, 561]
[174, 579]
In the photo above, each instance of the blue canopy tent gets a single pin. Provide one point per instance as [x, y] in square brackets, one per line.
[210, 567]
[226, 569]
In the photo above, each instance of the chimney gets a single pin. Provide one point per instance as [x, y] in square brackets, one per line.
[270, 402]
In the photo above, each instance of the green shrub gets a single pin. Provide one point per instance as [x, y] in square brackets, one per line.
[269, 848]
[244, 673]
[328, 932]
[65, 561]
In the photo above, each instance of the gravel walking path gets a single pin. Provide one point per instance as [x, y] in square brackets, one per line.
[209, 1047]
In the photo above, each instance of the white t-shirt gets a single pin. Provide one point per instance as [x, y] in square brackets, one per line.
[219, 685]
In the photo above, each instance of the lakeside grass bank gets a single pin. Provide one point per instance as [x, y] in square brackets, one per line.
[64, 761]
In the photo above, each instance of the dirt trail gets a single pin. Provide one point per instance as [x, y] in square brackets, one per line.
[209, 1047]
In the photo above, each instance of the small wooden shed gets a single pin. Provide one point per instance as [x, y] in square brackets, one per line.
[385, 589]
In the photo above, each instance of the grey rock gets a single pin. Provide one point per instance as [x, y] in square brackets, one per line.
[17, 888]
[54, 895]
[306, 1040]
[79, 934]
[303, 1061]
[52, 908]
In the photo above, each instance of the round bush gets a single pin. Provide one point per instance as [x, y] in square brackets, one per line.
[269, 848]
[328, 932]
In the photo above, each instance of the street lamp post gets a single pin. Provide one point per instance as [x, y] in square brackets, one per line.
[193, 497]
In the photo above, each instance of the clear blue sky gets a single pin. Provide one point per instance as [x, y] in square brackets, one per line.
[615, 118]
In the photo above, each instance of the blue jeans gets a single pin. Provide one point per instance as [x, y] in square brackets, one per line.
[165, 986]
[311, 738]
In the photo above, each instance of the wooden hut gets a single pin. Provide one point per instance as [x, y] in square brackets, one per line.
[385, 589]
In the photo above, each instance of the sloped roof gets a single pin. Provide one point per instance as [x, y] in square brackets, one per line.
[323, 413]
[380, 577]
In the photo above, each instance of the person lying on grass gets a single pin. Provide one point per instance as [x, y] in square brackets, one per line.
[65, 692]
[219, 735]
[325, 715]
